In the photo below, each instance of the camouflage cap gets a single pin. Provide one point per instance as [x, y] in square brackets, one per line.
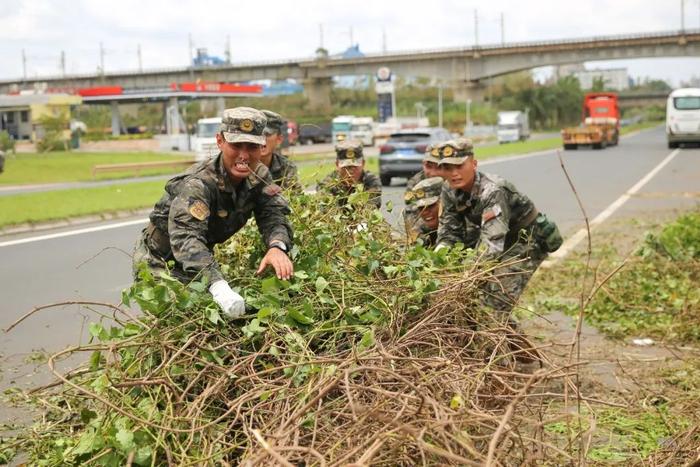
[432, 154]
[455, 151]
[349, 153]
[275, 122]
[243, 125]
[424, 193]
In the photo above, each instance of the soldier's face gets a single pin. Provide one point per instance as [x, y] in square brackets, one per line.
[431, 215]
[431, 169]
[460, 177]
[272, 142]
[350, 174]
[239, 158]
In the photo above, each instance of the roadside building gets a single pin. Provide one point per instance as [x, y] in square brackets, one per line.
[21, 114]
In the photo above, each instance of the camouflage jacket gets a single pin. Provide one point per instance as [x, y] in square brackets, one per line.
[201, 208]
[413, 181]
[284, 172]
[416, 228]
[369, 182]
[489, 217]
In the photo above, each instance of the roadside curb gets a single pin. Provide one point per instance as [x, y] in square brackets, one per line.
[72, 221]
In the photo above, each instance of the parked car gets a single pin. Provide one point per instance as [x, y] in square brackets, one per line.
[402, 155]
[314, 133]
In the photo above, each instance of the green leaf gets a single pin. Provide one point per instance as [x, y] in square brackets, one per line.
[100, 384]
[301, 275]
[264, 313]
[98, 332]
[95, 360]
[389, 206]
[132, 329]
[299, 317]
[321, 284]
[89, 442]
[270, 285]
[125, 440]
[126, 297]
[367, 340]
[456, 402]
[213, 314]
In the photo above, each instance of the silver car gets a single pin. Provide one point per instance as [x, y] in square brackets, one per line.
[402, 155]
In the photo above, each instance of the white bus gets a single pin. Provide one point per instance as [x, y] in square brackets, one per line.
[683, 117]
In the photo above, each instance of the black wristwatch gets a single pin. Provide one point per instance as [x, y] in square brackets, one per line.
[279, 245]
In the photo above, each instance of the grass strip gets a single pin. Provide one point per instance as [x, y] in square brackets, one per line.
[54, 205]
[57, 167]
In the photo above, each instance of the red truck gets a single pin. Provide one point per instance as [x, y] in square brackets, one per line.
[600, 125]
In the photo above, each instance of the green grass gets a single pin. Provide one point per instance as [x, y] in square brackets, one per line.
[521, 147]
[61, 204]
[53, 205]
[58, 167]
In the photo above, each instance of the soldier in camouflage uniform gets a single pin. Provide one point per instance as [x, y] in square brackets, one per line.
[430, 169]
[485, 212]
[350, 172]
[283, 171]
[424, 201]
[210, 202]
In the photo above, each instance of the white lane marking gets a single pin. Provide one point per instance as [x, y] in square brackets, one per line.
[72, 232]
[575, 239]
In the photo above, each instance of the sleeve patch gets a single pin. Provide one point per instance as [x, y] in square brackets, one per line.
[199, 210]
[488, 216]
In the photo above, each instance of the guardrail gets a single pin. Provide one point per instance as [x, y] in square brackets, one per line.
[139, 166]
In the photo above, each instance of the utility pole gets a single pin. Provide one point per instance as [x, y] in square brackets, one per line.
[476, 28]
[383, 40]
[24, 65]
[190, 47]
[63, 63]
[682, 15]
[503, 34]
[467, 125]
[102, 59]
[320, 35]
[138, 53]
[227, 53]
[352, 39]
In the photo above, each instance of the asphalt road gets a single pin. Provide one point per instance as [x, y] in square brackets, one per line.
[96, 266]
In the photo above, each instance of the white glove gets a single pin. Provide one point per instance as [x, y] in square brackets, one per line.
[229, 301]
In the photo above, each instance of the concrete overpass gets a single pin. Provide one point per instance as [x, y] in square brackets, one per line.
[463, 68]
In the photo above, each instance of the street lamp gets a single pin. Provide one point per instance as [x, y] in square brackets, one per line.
[468, 123]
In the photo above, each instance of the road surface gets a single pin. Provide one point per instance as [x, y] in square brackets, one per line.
[95, 265]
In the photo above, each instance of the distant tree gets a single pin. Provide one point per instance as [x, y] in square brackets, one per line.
[598, 84]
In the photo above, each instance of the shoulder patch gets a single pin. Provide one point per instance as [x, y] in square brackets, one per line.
[272, 190]
[199, 210]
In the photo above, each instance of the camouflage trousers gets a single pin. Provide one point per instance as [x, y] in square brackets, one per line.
[503, 289]
[143, 255]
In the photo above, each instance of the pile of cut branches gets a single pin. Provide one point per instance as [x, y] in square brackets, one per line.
[375, 353]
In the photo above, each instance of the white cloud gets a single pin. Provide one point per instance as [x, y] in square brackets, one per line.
[289, 29]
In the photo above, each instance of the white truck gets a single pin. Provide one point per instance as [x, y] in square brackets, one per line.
[204, 139]
[513, 125]
[362, 129]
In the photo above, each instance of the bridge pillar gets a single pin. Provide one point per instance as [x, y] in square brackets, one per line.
[220, 106]
[318, 92]
[473, 90]
[117, 125]
[173, 120]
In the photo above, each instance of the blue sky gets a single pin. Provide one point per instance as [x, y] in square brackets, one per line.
[291, 29]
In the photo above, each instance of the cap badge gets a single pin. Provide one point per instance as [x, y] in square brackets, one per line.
[350, 154]
[246, 125]
[435, 152]
[448, 151]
